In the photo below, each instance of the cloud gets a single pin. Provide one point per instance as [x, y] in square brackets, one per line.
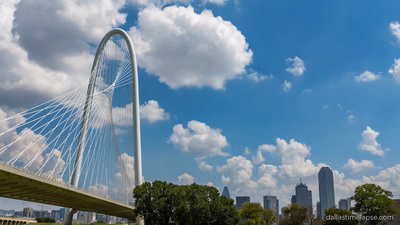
[198, 139]
[296, 66]
[129, 165]
[267, 148]
[367, 76]
[267, 176]
[257, 77]
[159, 3]
[185, 179]
[351, 118]
[225, 180]
[63, 28]
[152, 112]
[239, 170]
[395, 28]
[258, 158]
[237, 174]
[27, 148]
[247, 150]
[99, 189]
[286, 86]
[356, 166]
[184, 48]
[203, 165]
[44, 46]
[217, 2]
[395, 70]
[389, 179]
[293, 160]
[368, 142]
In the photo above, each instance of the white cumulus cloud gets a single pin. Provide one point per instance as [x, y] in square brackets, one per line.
[199, 139]
[395, 70]
[152, 112]
[286, 86]
[203, 165]
[267, 176]
[368, 142]
[184, 48]
[395, 28]
[296, 66]
[239, 170]
[257, 77]
[185, 179]
[45, 46]
[367, 76]
[358, 166]
[258, 158]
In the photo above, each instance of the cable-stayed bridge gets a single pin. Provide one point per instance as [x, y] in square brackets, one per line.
[80, 150]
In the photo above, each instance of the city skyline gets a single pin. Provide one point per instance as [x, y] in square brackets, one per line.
[249, 95]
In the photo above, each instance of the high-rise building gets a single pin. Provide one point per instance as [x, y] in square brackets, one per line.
[240, 200]
[91, 217]
[56, 215]
[344, 204]
[19, 214]
[27, 212]
[62, 213]
[319, 209]
[304, 197]
[225, 192]
[293, 199]
[271, 202]
[326, 189]
[6, 213]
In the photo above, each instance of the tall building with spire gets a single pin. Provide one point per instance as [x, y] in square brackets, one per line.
[225, 192]
[326, 190]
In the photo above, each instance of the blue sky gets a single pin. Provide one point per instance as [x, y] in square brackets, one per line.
[273, 89]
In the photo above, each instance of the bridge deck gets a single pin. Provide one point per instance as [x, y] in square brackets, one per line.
[18, 184]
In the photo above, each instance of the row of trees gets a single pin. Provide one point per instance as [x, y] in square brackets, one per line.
[166, 203]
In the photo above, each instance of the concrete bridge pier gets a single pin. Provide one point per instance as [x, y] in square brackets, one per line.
[69, 217]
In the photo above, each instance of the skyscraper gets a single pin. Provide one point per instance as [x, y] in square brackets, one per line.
[304, 197]
[319, 209]
[271, 202]
[240, 200]
[326, 189]
[344, 204]
[225, 192]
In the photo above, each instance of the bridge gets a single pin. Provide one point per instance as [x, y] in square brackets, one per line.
[16, 221]
[80, 150]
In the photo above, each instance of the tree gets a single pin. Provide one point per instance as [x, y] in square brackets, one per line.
[270, 216]
[294, 214]
[164, 203]
[153, 202]
[372, 202]
[224, 211]
[338, 216]
[45, 220]
[252, 212]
